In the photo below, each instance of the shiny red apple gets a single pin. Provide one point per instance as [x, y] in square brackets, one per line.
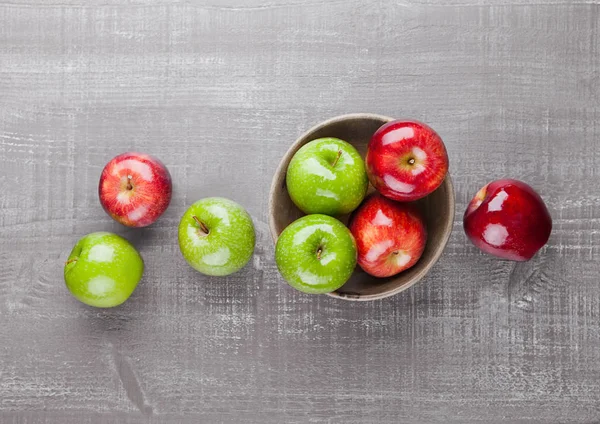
[135, 189]
[508, 219]
[406, 160]
[390, 236]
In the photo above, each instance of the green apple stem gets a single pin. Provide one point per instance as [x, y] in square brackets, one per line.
[201, 224]
[339, 154]
[319, 252]
[70, 261]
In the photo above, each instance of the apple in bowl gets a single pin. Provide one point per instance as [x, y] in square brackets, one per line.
[406, 160]
[316, 254]
[327, 176]
[390, 236]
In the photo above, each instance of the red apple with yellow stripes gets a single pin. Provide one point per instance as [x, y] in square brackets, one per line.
[406, 160]
[135, 189]
[390, 236]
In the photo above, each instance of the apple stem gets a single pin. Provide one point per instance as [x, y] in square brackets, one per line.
[319, 251]
[129, 186]
[70, 261]
[395, 253]
[411, 161]
[201, 224]
[339, 154]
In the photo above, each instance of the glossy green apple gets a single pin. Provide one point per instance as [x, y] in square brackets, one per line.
[103, 270]
[316, 254]
[216, 236]
[327, 176]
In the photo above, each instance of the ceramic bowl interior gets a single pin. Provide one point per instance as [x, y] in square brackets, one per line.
[438, 209]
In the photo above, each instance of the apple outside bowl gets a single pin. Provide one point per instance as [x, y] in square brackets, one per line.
[437, 208]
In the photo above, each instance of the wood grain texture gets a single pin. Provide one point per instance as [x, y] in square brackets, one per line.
[219, 90]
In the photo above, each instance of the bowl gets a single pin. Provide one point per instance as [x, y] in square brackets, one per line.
[437, 208]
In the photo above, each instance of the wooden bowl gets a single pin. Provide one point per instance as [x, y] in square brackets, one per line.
[438, 209]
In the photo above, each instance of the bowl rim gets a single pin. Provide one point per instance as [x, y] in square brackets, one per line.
[439, 249]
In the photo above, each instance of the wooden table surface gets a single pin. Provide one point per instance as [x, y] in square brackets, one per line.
[219, 89]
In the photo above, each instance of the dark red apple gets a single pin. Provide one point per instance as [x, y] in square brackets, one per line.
[390, 236]
[406, 160]
[508, 219]
[135, 189]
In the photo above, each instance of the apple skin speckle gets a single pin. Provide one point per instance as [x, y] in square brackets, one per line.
[327, 176]
[103, 270]
[316, 254]
[227, 245]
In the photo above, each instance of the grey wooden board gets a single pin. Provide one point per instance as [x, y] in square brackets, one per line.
[219, 90]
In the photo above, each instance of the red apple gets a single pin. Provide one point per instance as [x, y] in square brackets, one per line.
[135, 189]
[390, 236]
[508, 219]
[406, 160]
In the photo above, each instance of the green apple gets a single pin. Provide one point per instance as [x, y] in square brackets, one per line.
[216, 236]
[316, 254]
[103, 270]
[327, 176]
